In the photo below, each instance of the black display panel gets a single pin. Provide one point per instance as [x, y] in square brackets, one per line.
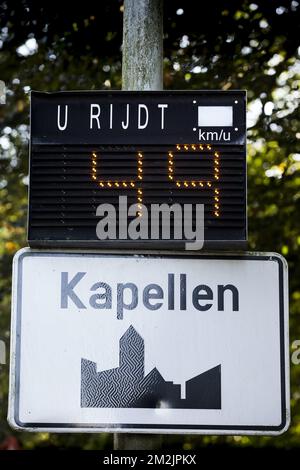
[89, 148]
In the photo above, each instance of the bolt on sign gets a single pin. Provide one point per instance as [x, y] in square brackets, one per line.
[173, 343]
[89, 148]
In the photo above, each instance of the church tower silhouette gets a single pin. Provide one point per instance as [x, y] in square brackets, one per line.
[132, 352]
[126, 386]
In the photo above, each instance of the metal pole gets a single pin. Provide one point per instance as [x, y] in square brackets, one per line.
[142, 70]
[142, 66]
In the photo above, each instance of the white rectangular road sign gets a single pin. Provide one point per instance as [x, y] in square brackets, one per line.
[160, 343]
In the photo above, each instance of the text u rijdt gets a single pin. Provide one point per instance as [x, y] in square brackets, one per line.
[95, 118]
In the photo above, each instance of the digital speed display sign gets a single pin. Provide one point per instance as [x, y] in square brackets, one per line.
[171, 147]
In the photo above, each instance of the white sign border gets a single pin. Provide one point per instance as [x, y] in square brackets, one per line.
[14, 384]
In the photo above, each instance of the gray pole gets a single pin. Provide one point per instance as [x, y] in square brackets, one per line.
[142, 67]
[142, 70]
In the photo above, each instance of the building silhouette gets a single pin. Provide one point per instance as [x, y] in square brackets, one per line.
[127, 386]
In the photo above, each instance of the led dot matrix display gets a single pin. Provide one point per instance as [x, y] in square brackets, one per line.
[89, 148]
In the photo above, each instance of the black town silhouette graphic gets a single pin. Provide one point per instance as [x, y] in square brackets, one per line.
[127, 386]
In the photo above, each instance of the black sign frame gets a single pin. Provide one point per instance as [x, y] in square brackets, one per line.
[173, 122]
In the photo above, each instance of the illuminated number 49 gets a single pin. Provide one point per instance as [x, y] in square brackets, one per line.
[202, 184]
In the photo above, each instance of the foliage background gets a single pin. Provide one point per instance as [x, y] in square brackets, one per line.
[252, 45]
